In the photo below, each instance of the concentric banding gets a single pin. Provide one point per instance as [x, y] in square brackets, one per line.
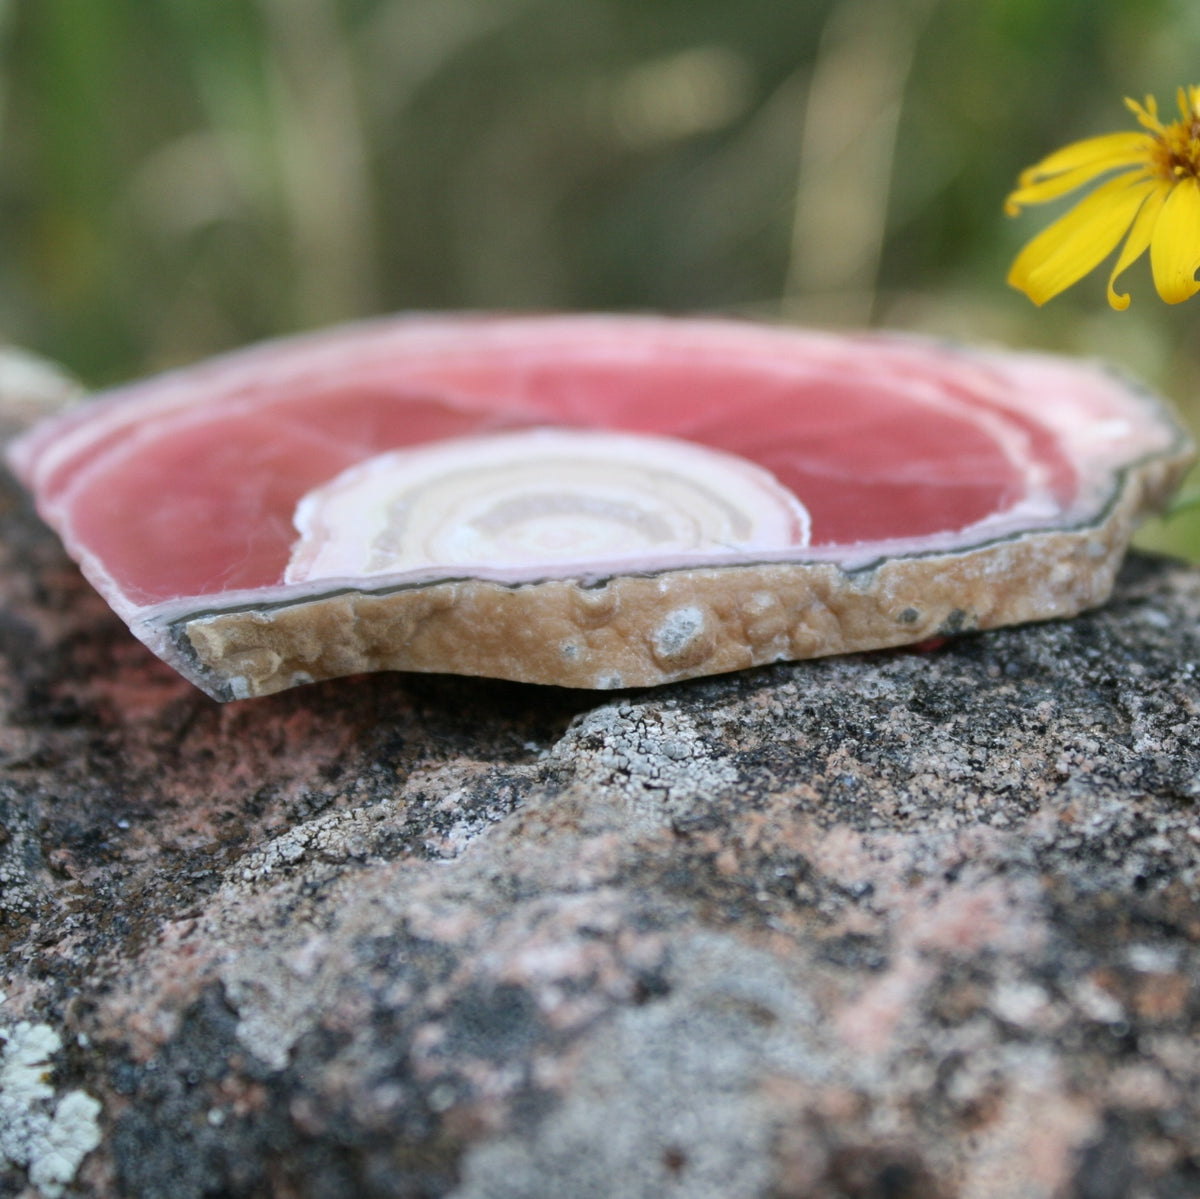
[551, 496]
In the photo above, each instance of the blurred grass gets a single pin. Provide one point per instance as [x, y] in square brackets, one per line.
[179, 178]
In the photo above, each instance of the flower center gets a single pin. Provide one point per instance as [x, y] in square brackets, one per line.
[1176, 151]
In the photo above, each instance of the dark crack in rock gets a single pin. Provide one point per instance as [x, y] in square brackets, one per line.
[911, 924]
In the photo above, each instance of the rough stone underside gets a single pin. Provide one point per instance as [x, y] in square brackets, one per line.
[922, 925]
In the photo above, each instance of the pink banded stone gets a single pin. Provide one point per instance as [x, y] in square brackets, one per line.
[593, 501]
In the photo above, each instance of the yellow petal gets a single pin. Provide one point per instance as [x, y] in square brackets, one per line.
[1108, 146]
[1175, 246]
[1137, 242]
[1040, 191]
[1079, 240]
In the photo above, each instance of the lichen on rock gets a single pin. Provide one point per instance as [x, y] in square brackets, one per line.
[44, 1135]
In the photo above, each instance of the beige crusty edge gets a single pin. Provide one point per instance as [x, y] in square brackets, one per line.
[640, 630]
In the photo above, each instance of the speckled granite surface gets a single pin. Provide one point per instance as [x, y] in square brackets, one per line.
[897, 926]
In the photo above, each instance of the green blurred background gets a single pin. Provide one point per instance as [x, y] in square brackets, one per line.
[180, 177]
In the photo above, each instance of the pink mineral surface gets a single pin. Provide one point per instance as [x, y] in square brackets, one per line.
[592, 501]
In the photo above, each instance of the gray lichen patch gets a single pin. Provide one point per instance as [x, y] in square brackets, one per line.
[650, 758]
[42, 1133]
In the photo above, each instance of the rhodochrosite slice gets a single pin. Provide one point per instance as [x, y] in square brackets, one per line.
[593, 501]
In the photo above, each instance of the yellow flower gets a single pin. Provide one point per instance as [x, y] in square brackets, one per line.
[1154, 203]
